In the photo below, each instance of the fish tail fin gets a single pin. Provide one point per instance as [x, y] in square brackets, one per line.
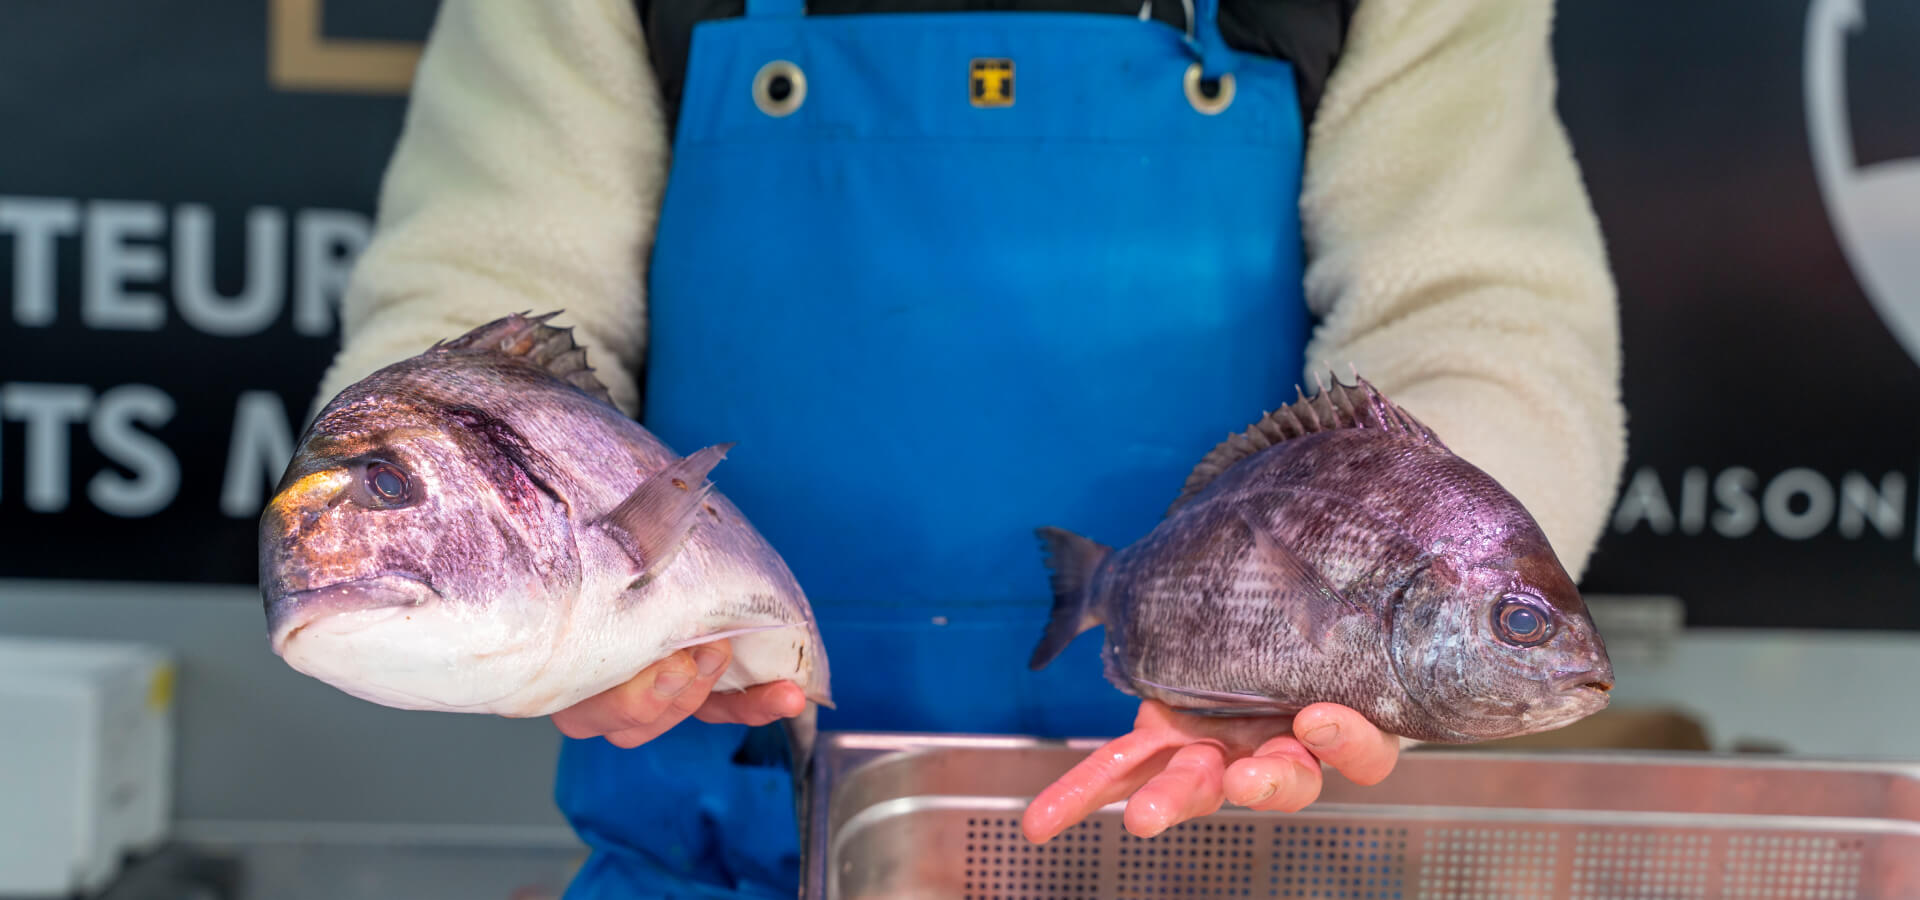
[802, 730]
[1072, 560]
[761, 747]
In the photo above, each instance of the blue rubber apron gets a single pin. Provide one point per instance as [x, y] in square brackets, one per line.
[934, 319]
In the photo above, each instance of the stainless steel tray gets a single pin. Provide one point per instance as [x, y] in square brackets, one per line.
[934, 817]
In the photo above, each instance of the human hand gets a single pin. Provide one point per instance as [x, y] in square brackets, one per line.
[1178, 766]
[664, 694]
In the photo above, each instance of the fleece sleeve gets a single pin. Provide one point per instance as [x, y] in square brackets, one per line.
[527, 178]
[1455, 260]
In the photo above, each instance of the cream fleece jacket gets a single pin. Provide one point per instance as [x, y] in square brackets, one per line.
[1453, 256]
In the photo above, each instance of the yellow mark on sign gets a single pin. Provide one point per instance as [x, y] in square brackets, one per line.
[990, 82]
[160, 690]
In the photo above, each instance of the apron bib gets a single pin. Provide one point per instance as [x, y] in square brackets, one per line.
[945, 278]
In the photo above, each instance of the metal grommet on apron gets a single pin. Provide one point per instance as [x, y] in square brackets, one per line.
[1209, 80]
[779, 88]
[1209, 95]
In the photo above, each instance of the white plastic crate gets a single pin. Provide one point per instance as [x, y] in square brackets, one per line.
[86, 746]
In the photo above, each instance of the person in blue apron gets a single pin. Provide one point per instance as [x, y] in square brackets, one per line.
[948, 270]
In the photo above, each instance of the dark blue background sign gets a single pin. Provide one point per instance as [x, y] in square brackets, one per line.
[183, 187]
[1773, 472]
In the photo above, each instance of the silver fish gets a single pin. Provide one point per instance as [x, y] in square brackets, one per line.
[1337, 551]
[479, 529]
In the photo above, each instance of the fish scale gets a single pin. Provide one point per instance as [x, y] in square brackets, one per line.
[1338, 551]
[1221, 626]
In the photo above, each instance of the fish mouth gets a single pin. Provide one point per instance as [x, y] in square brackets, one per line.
[343, 607]
[1583, 682]
[1587, 690]
[1598, 679]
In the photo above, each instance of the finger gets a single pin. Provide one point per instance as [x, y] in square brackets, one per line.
[632, 703]
[1106, 775]
[634, 737]
[1189, 787]
[761, 704]
[1345, 740]
[709, 662]
[635, 728]
[648, 695]
[1280, 776]
[1239, 735]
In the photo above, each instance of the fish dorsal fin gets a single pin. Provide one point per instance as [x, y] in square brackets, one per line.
[529, 337]
[1330, 409]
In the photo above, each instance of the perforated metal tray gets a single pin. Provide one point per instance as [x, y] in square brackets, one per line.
[935, 817]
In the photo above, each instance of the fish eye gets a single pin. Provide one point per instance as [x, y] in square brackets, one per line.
[386, 484]
[1521, 622]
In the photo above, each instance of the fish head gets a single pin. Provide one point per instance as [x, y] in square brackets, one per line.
[1500, 647]
[415, 554]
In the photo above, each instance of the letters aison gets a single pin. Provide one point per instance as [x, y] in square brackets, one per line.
[1796, 503]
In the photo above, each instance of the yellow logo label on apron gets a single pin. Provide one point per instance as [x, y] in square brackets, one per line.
[991, 82]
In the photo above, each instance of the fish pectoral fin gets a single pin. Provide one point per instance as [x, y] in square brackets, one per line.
[1222, 703]
[730, 633]
[1314, 607]
[656, 518]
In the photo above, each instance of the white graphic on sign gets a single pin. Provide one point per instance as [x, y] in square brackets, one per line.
[297, 263]
[1875, 209]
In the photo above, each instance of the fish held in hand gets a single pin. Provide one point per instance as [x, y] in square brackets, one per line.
[1338, 552]
[479, 529]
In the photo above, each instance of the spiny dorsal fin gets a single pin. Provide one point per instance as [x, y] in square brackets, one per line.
[1331, 408]
[531, 338]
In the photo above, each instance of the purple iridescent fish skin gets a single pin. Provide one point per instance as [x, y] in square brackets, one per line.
[479, 529]
[1338, 552]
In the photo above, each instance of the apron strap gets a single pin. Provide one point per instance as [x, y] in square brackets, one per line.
[1203, 30]
[767, 9]
[1203, 35]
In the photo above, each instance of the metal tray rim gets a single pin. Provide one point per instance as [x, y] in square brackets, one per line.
[880, 742]
[843, 758]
